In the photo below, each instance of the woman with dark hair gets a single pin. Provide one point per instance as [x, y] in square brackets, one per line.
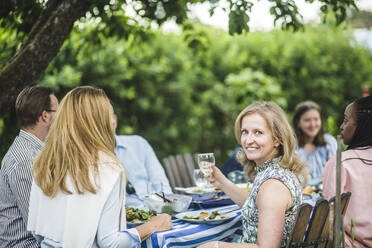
[314, 146]
[356, 172]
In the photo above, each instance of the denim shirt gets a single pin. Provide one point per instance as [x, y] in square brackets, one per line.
[142, 167]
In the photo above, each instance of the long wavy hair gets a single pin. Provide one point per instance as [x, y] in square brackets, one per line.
[82, 128]
[282, 132]
[302, 138]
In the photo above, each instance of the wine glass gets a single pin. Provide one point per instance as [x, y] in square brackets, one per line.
[153, 188]
[205, 161]
[199, 179]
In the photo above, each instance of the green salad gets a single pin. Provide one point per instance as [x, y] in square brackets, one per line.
[135, 215]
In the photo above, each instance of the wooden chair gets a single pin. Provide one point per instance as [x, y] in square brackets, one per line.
[345, 198]
[312, 226]
[179, 169]
[169, 171]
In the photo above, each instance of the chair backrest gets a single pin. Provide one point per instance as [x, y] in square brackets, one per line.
[173, 172]
[179, 169]
[169, 171]
[345, 198]
[317, 224]
[300, 225]
[312, 225]
[308, 227]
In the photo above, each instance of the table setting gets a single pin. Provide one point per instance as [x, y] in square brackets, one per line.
[192, 233]
[199, 214]
[191, 227]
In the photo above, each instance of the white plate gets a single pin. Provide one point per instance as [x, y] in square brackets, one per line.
[230, 216]
[196, 190]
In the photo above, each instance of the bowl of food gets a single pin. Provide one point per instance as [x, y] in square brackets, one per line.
[137, 216]
[168, 203]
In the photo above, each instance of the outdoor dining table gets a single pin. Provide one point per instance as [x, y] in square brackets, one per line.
[185, 234]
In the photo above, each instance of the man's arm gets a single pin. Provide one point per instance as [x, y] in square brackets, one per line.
[20, 181]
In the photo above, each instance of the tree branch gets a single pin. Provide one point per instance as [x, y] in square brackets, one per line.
[45, 39]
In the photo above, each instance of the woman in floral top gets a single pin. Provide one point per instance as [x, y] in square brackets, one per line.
[268, 156]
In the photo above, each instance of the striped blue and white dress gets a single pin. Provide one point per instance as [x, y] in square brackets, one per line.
[316, 160]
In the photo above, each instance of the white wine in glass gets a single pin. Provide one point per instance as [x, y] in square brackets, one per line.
[205, 161]
[199, 179]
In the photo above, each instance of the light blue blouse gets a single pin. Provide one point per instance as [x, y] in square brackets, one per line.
[316, 160]
[142, 167]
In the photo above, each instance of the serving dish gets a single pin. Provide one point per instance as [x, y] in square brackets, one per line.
[159, 203]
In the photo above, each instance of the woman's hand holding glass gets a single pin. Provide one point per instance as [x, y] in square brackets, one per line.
[205, 162]
[216, 178]
[199, 179]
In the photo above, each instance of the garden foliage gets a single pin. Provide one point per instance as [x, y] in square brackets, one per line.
[182, 92]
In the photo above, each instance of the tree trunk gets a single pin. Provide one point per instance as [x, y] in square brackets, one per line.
[44, 41]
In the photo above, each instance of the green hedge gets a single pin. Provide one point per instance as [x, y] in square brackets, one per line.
[183, 92]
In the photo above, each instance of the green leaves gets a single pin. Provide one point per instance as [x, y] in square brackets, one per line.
[183, 92]
[238, 22]
[22, 15]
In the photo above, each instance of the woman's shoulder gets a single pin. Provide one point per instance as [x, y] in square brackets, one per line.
[329, 139]
[363, 152]
[106, 162]
[281, 173]
[352, 153]
[104, 158]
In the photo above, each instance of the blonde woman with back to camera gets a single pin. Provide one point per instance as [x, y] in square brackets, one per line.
[77, 197]
[268, 157]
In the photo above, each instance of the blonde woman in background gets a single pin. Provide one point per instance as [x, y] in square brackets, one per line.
[267, 154]
[77, 197]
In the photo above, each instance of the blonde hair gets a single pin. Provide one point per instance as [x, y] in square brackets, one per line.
[282, 132]
[81, 129]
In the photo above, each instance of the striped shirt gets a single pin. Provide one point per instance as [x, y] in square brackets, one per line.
[15, 185]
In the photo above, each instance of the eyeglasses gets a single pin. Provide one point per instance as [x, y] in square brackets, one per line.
[50, 110]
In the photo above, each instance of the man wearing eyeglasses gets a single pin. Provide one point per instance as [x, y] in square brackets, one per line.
[35, 109]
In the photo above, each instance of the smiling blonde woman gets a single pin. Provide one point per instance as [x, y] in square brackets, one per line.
[267, 154]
